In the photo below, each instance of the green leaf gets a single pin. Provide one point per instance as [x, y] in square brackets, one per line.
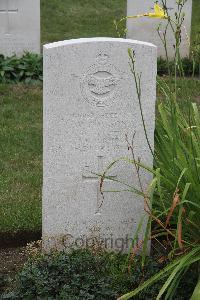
[196, 293]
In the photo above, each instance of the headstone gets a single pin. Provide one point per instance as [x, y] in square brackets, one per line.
[145, 28]
[19, 27]
[90, 104]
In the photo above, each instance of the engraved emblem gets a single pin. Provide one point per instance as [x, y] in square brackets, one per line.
[100, 82]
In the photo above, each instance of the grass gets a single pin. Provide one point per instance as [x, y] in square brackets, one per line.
[189, 88]
[195, 18]
[67, 19]
[21, 109]
[20, 159]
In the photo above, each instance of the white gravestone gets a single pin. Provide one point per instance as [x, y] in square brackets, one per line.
[19, 27]
[145, 28]
[90, 104]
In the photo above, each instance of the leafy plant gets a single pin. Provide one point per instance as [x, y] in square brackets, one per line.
[172, 201]
[82, 274]
[26, 69]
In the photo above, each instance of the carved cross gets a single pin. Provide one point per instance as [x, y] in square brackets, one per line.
[7, 11]
[97, 180]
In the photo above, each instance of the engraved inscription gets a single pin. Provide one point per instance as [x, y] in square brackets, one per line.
[100, 82]
[15, 43]
[88, 176]
[112, 139]
[7, 11]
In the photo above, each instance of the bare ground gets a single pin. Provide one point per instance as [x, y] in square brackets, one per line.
[11, 260]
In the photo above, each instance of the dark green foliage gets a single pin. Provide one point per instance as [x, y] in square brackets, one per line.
[79, 275]
[189, 68]
[26, 69]
[82, 275]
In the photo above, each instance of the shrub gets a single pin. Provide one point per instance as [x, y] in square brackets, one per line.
[26, 69]
[79, 275]
[84, 275]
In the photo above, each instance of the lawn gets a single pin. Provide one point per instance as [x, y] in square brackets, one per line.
[21, 156]
[67, 19]
[195, 18]
[21, 109]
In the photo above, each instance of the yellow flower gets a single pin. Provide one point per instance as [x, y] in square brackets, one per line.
[158, 13]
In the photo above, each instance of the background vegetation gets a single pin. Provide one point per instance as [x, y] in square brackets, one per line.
[68, 19]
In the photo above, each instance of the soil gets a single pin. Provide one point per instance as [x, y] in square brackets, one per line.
[11, 261]
[19, 238]
[13, 255]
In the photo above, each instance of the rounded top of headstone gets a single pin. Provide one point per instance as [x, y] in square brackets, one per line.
[97, 40]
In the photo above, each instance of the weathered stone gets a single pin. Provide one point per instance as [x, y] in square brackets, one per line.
[90, 104]
[19, 26]
[145, 29]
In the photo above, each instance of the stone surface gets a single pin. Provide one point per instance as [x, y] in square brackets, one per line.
[145, 29]
[19, 26]
[90, 104]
